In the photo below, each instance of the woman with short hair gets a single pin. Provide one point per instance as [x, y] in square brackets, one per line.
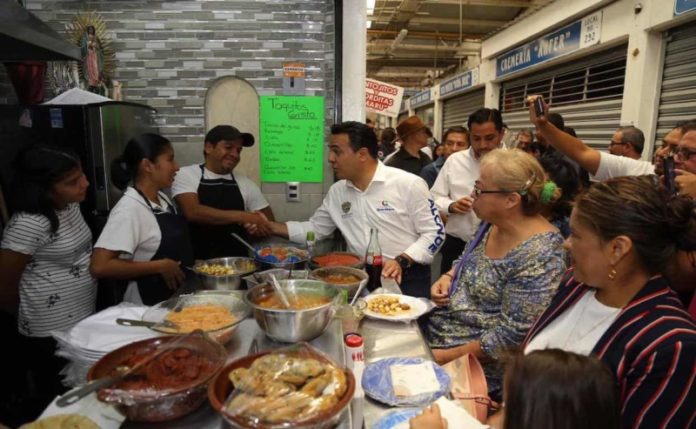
[507, 274]
[616, 305]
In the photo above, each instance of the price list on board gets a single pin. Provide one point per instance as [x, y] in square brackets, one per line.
[292, 139]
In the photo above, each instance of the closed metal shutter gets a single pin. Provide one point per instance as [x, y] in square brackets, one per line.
[456, 110]
[678, 94]
[588, 93]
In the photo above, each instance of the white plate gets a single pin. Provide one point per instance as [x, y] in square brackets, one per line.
[418, 308]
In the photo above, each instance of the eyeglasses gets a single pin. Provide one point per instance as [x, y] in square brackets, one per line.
[478, 191]
[523, 192]
[613, 143]
[683, 153]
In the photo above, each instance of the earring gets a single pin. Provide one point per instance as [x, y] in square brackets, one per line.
[612, 274]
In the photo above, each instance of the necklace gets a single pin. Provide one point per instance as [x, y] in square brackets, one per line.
[594, 327]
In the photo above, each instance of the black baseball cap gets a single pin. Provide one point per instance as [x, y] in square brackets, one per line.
[228, 132]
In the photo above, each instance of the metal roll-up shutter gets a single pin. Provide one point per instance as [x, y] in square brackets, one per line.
[588, 93]
[401, 117]
[456, 110]
[678, 94]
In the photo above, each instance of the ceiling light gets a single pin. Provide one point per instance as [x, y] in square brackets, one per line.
[370, 7]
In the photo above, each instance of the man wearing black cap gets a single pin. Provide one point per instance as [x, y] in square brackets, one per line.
[215, 200]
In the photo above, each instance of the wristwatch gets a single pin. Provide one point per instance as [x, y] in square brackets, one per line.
[404, 263]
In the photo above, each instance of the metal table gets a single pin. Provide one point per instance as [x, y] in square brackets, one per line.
[330, 342]
[384, 339]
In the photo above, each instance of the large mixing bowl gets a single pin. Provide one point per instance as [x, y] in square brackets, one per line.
[240, 266]
[337, 259]
[339, 277]
[291, 325]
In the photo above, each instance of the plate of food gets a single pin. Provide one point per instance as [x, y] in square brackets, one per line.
[395, 307]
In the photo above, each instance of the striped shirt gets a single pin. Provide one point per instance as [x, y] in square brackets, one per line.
[56, 289]
[651, 349]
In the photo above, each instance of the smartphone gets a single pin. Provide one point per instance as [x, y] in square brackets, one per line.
[539, 106]
[668, 170]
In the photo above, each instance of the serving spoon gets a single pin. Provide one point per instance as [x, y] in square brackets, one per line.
[279, 291]
[244, 242]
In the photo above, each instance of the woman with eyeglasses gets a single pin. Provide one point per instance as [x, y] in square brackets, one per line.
[507, 274]
[616, 305]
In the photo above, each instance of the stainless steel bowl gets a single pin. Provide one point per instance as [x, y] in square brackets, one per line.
[242, 267]
[291, 326]
[321, 274]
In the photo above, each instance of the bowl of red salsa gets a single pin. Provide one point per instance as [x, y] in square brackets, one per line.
[337, 259]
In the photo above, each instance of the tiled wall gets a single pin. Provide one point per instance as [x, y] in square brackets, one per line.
[169, 52]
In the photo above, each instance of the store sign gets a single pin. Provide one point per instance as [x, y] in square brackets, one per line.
[573, 37]
[421, 99]
[459, 83]
[683, 6]
[383, 98]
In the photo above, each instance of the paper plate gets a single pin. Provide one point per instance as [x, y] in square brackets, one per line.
[418, 308]
[393, 419]
[377, 383]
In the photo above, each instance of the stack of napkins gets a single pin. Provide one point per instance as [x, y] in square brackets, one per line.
[413, 380]
[97, 335]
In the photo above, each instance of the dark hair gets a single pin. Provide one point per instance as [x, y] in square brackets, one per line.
[456, 129]
[633, 136]
[565, 176]
[387, 136]
[124, 169]
[657, 223]
[688, 126]
[483, 115]
[552, 388]
[557, 120]
[571, 131]
[38, 169]
[359, 135]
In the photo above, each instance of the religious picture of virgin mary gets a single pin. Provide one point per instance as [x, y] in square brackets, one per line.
[92, 59]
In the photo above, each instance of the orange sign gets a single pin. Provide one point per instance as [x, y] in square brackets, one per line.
[293, 70]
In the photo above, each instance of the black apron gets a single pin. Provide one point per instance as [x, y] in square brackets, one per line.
[216, 241]
[175, 244]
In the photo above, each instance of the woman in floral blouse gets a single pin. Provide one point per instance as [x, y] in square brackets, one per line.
[507, 274]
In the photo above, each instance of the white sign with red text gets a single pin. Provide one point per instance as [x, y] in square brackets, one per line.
[383, 98]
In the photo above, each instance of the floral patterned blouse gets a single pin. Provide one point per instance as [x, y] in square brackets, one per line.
[495, 301]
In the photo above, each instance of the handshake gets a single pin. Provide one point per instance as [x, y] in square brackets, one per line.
[258, 225]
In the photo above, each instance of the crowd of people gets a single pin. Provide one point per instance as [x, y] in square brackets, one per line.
[582, 261]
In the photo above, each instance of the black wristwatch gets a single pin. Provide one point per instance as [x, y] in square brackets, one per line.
[404, 263]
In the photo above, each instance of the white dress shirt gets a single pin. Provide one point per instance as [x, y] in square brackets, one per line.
[395, 202]
[456, 180]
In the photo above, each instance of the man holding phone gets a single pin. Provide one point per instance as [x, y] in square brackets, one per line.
[600, 165]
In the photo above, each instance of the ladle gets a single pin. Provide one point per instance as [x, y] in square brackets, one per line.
[244, 242]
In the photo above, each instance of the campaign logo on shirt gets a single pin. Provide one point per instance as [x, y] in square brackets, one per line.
[346, 206]
[385, 207]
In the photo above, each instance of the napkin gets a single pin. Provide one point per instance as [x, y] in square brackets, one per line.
[100, 332]
[412, 380]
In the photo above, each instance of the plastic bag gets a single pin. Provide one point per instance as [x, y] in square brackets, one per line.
[296, 387]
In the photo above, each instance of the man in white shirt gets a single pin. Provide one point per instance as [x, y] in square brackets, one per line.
[453, 186]
[372, 195]
[217, 201]
[600, 165]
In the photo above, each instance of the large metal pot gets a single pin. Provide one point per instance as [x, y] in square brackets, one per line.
[291, 326]
[241, 266]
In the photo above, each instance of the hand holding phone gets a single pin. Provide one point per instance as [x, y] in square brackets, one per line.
[668, 170]
[539, 106]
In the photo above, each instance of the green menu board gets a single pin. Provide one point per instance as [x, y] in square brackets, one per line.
[292, 139]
